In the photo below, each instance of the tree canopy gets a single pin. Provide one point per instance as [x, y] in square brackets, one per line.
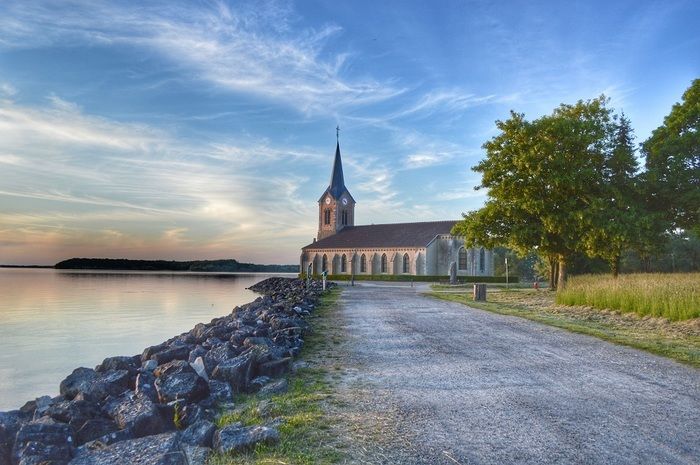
[568, 184]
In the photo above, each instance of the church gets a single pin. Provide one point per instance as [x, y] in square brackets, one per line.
[423, 248]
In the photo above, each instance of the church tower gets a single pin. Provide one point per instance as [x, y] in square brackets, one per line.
[336, 207]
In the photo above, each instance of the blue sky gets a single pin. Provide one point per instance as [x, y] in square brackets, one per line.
[187, 130]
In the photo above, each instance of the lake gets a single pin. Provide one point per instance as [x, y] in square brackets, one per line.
[53, 321]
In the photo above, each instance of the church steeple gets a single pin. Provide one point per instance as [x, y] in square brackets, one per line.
[336, 207]
[337, 185]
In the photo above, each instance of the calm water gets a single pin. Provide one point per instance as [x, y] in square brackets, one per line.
[53, 321]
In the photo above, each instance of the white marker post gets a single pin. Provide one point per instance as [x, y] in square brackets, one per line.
[323, 275]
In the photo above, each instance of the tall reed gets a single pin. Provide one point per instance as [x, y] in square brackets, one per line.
[675, 296]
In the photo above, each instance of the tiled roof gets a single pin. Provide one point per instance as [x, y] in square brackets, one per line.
[384, 235]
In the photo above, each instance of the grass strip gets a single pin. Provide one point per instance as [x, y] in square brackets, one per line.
[305, 436]
[529, 304]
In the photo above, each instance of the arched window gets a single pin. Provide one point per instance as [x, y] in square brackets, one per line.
[343, 263]
[327, 216]
[462, 259]
[324, 263]
[344, 217]
[406, 263]
[363, 264]
[384, 267]
[482, 260]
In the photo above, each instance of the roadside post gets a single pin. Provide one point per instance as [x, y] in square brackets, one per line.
[507, 286]
[323, 275]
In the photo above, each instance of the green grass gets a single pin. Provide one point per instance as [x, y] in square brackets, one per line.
[305, 436]
[678, 341]
[673, 296]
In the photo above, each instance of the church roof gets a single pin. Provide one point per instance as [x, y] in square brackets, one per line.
[384, 235]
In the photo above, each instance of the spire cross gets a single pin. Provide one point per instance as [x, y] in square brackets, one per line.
[337, 133]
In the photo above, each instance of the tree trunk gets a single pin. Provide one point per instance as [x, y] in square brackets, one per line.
[552, 273]
[561, 275]
[615, 266]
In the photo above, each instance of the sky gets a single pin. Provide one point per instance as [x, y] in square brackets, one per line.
[206, 130]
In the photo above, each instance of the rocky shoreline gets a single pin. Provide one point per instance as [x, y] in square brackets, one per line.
[160, 407]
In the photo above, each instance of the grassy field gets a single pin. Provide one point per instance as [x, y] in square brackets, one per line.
[673, 296]
[678, 340]
[305, 430]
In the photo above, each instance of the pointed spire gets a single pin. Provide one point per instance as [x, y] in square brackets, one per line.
[337, 185]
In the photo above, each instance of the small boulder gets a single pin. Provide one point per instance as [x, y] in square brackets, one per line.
[236, 371]
[179, 381]
[170, 354]
[94, 429]
[200, 433]
[130, 364]
[275, 368]
[275, 387]
[145, 386]
[235, 438]
[149, 365]
[139, 415]
[74, 412]
[94, 385]
[159, 449]
[198, 366]
[43, 441]
[220, 392]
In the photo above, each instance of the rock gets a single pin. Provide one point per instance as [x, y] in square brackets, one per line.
[195, 455]
[220, 392]
[107, 440]
[160, 449]
[74, 412]
[38, 442]
[150, 351]
[275, 368]
[257, 383]
[200, 434]
[179, 381]
[145, 385]
[195, 353]
[94, 429]
[94, 385]
[139, 415]
[173, 353]
[130, 364]
[257, 341]
[41, 404]
[198, 366]
[235, 438]
[149, 365]
[276, 387]
[10, 423]
[192, 413]
[236, 371]
[217, 355]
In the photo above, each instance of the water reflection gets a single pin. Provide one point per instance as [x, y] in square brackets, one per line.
[52, 321]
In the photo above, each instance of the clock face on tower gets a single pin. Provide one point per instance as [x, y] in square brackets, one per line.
[328, 200]
[345, 201]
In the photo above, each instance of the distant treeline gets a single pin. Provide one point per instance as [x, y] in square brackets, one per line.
[165, 265]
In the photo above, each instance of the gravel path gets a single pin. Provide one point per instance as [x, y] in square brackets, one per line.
[431, 382]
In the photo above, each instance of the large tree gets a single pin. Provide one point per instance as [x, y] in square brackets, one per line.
[542, 178]
[673, 164]
[616, 216]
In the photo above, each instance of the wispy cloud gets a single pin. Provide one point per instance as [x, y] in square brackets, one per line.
[80, 176]
[248, 49]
